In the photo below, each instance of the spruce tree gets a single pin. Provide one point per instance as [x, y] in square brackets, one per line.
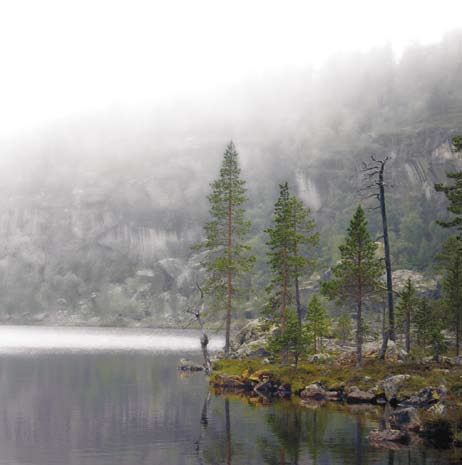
[228, 256]
[356, 277]
[344, 328]
[422, 321]
[405, 311]
[318, 322]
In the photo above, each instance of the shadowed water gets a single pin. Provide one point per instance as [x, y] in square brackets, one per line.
[105, 396]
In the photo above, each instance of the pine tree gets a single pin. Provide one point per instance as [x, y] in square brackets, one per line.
[228, 257]
[293, 340]
[356, 277]
[405, 311]
[280, 245]
[290, 239]
[451, 261]
[304, 240]
[344, 326]
[318, 322]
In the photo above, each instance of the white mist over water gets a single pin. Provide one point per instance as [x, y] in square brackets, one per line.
[35, 339]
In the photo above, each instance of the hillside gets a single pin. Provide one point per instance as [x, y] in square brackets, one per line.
[97, 216]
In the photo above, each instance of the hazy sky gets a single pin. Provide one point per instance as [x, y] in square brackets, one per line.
[61, 58]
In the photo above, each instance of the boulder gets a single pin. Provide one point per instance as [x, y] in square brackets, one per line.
[265, 386]
[252, 331]
[253, 349]
[251, 341]
[229, 381]
[188, 365]
[319, 358]
[284, 390]
[424, 286]
[393, 353]
[391, 386]
[313, 391]
[355, 396]
[426, 397]
[317, 392]
[388, 435]
[438, 410]
[407, 419]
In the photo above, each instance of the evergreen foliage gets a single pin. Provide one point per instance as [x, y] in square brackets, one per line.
[344, 326]
[356, 277]
[451, 262]
[290, 239]
[304, 240]
[437, 342]
[423, 322]
[318, 322]
[405, 311]
[292, 340]
[228, 256]
[453, 193]
[457, 143]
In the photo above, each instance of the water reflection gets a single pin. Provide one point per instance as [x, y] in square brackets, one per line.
[32, 340]
[129, 407]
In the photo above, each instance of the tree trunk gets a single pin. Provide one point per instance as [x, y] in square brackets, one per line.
[408, 328]
[230, 279]
[297, 300]
[228, 432]
[284, 354]
[458, 334]
[359, 334]
[458, 307]
[391, 313]
[205, 353]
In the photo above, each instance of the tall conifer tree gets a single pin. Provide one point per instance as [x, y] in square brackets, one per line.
[405, 310]
[318, 322]
[290, 239]
[280, 244]
[228, 256]
[356, 277]
[303, 240]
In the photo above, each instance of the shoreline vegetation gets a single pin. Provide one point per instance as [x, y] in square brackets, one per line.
[300, 351]
[419, 400]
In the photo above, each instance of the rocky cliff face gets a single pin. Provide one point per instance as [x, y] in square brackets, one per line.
[114, 248]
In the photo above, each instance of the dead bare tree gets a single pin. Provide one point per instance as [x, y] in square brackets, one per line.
[197, 313]
[373, 172]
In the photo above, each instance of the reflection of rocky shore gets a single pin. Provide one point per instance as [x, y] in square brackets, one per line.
[104, 409]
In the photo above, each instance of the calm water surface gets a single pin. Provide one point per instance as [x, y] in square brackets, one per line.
[114, 396]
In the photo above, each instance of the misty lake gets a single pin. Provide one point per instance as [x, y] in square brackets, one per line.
[114, 396]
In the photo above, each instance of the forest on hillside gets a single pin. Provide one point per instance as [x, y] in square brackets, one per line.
[97, 218]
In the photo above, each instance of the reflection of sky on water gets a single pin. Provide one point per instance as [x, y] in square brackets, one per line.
[115, 402]
[30, 339]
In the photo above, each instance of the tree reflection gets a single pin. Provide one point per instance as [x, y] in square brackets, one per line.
[228, 433]
[297, 431]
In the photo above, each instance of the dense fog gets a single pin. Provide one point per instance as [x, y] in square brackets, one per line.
[100, 209]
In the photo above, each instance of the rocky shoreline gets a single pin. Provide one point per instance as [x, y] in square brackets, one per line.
[421, 399]
[407, 417]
